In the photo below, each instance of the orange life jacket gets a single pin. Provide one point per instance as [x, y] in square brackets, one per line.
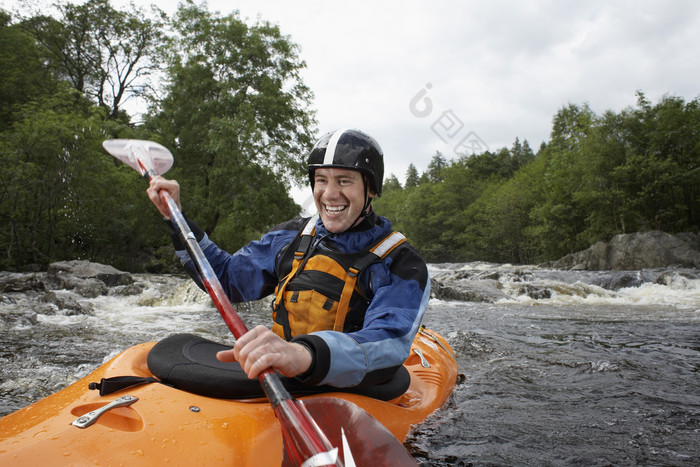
[320, 291]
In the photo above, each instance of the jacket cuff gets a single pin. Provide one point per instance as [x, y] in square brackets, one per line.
[320, 359]
[177, 239]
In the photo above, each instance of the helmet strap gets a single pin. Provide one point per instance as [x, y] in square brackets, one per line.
[368, 201]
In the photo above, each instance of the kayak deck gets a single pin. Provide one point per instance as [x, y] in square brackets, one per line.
[167, 425]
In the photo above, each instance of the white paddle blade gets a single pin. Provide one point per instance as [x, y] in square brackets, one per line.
[154, 158]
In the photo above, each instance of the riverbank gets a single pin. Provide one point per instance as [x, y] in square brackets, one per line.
[640, 250]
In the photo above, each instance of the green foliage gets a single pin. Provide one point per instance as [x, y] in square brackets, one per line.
[236, 116]
[559, 219]
[436, 168]
[411, 176]
[597, 176]
[235, 113]
[391, 183]
[24, 76]
[62, 198]
[500, 221]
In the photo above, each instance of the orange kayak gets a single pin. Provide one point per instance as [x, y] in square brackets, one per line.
[154, 424]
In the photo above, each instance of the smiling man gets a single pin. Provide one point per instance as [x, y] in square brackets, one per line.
[340, 198]
[345, 168]
[349, 292]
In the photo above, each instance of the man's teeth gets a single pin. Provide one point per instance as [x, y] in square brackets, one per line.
[335, 209]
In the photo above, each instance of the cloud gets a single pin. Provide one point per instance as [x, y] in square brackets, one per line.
[503, 68]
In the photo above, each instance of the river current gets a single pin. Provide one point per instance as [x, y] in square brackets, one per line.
[558, 367]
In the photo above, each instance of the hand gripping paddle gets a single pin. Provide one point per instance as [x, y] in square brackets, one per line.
[309, 441]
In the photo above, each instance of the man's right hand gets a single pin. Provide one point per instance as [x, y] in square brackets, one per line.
[260, 349]
[171, 186]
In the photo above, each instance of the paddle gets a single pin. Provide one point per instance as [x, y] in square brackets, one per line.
[362, 439]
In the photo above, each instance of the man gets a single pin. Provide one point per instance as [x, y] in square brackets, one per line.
[343, 315]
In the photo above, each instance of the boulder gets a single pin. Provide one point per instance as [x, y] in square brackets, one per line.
[74, 274]
[18, 282]
[136, 288]
[641, 250]
[466, 290]
[19, 318]
[91, 288]
[68, 303]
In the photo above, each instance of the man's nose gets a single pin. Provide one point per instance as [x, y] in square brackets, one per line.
[332, 190]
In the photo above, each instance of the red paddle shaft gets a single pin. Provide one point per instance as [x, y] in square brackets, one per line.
[303, 439]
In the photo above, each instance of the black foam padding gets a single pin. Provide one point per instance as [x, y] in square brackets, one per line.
[188, 362]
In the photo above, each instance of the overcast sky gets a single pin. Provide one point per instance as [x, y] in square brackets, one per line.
[425, 76]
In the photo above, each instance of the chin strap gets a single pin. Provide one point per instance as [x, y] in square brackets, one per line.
[368, 201]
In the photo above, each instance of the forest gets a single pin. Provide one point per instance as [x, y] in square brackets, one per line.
[596, 177]
[227, 98]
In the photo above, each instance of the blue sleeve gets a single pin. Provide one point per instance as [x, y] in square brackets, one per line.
[402, 292]
[249, 273]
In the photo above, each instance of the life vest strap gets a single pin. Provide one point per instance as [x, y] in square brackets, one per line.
[307, 236]
[377, 253]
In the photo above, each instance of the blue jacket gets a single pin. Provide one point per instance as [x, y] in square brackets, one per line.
[400, 286]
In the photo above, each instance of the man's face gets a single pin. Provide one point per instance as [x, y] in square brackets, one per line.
[339, 195]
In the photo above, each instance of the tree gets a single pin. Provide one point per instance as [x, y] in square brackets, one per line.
[500, 219]
[570, 126]
[520, 155]
[391, 183]
[489, 164]
[53, 203]
[600, 197]
[237, 118]
[659, 175]
[24, 75]
[436, 168]
[391, 202]
[411, 176]
[107, 54]
[559, 220]
[423, 222]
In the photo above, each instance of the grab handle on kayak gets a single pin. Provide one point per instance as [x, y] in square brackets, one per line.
[89, 418]
[423, 362]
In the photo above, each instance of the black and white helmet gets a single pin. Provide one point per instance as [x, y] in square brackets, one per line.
[349, 149]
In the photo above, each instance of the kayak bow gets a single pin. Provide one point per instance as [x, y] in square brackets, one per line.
[169, 425]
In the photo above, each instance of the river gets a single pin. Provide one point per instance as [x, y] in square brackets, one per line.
[558, 367]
